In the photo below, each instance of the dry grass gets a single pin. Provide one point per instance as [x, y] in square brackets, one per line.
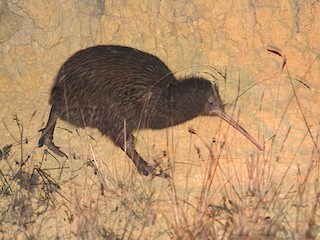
[45, 203]
[212, 194]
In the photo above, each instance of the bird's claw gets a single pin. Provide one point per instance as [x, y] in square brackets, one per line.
[46, 139]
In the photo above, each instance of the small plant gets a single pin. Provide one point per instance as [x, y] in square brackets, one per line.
[5, 152]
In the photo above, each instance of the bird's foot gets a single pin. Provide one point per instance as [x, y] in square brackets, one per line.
[46, 139]
[145, 169]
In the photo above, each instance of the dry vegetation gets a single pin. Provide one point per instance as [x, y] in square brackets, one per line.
[221, 187]
[85, 198]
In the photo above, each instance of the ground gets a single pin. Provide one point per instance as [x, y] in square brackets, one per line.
[263, 55]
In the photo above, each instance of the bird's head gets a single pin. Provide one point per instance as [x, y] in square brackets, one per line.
[214, 107]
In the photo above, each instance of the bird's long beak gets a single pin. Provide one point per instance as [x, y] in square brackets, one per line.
[234, 124]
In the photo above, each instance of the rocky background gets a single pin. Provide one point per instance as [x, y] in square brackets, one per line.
[263, 55]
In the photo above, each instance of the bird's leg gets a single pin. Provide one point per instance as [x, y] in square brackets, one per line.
[47, 133]
[141, 165]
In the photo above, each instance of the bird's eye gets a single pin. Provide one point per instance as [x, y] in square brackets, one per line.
[211, 102]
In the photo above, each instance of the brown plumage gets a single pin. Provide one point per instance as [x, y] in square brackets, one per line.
[118, 90]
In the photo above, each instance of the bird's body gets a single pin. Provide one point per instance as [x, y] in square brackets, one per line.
[118, 90]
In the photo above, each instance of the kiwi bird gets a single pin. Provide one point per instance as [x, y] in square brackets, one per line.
[119, 90]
